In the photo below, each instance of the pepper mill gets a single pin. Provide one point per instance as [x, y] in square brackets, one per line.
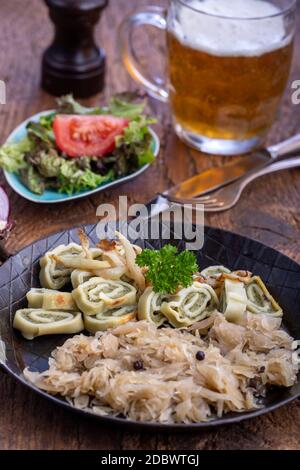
[73, 63]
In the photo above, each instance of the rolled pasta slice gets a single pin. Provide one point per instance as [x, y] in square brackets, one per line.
[190, 305]
[79, 277]
[50, 299]
[98, 295]
[233, 300]
[54, 275]
[110, 318]
[38, 322]
[214, 271]
[36, 295]
[242, 275]
[149, 307]
[214, 276]
[259, 298]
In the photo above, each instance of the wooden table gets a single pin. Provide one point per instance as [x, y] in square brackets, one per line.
[268, 211]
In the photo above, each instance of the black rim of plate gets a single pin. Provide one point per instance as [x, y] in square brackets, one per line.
[211, 233]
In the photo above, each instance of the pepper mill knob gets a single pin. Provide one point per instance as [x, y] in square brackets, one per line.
[73, 63]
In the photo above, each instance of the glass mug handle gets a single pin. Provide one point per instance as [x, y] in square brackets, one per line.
[153, 16]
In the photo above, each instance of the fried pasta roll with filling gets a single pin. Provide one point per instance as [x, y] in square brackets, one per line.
[55, 275]
[190, 305]
[38, 322]
[110, 318]
[233, 300]
[98, 295]
[259, 298]
[79, 277]
[149, 307]
[49, 299]
[214, 271]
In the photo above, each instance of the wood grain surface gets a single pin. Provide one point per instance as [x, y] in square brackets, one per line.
[268, 211]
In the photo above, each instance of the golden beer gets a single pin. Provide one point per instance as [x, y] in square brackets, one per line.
[226, 97]
[228, 66]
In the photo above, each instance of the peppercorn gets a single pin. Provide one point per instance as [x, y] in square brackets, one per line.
[200, 356]
[262, 369]
[254, 382]
[138, 365]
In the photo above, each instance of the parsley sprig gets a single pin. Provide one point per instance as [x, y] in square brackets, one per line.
[166, 269]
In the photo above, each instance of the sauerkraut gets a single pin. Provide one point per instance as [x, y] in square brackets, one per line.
[171, 375]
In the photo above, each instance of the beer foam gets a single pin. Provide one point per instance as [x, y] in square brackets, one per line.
[224, 29]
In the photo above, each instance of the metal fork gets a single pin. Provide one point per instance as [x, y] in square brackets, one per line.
[227, 197]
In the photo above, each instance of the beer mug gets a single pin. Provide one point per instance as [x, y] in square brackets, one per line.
[228, 64]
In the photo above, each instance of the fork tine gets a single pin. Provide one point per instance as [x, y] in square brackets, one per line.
[217, 209]
[209, 202]
[214, 205]
[203, 198]
[206, 199]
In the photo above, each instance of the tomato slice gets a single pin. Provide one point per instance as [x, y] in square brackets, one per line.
[89, 136]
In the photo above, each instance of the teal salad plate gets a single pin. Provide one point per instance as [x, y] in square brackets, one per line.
[51, 196]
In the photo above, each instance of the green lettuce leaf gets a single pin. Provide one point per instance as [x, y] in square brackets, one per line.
[32, 180]
[72, 179]
[145, 156]
[67, 105]
[120, 105]
[40, 134]
[136, 131]
[47, 121]
[126, 109]
[12, 155]
[136, 142]
[46, 163]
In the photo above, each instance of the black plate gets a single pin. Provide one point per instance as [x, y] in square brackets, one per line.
[20, 272]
